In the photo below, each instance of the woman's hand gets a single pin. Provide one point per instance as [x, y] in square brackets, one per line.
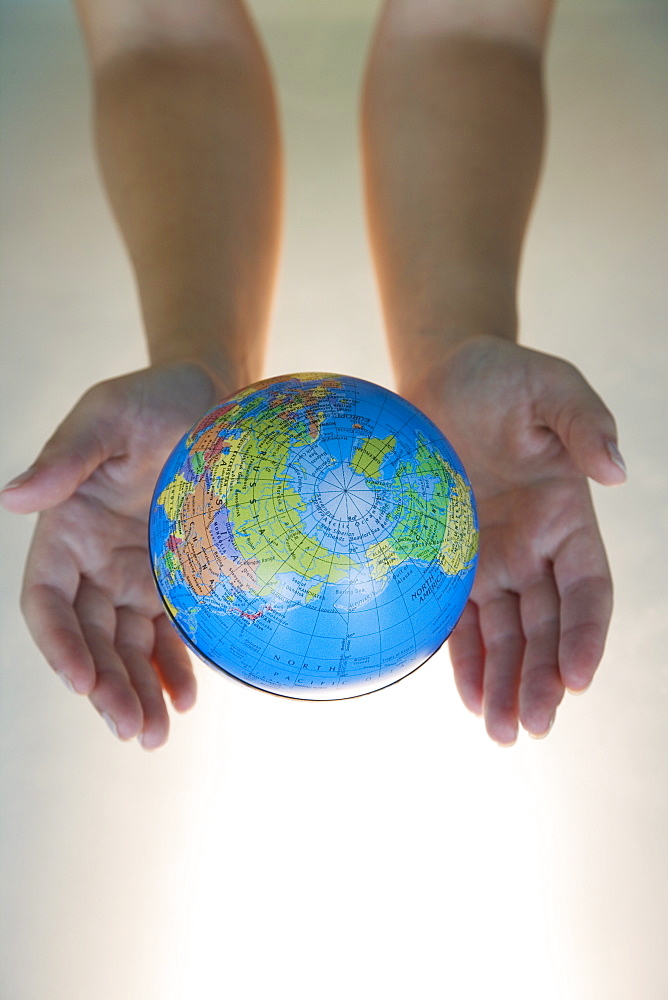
[88, 595]
[529, 430]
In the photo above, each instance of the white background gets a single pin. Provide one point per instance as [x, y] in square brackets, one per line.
[380, 847]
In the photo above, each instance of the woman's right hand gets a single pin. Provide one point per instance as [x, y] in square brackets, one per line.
[89, 597]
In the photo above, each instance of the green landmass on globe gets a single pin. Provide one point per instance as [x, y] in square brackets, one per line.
[314, 536]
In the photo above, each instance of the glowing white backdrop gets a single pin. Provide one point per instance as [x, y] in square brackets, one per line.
[381, 847]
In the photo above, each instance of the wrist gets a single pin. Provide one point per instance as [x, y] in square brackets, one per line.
[209, 379]
[427, 357]
[226, 374]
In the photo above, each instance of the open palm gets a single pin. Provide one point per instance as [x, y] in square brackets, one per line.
[88, 596]
[530, 430]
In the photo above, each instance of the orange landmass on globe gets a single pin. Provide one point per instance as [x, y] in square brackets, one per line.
[201, 561]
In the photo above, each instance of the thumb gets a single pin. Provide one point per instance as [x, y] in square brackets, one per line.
[69, 457]
[585, 425]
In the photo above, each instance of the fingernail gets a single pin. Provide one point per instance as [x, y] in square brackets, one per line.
[67, 682]
[18, 480]
[616, 456]
[110, 722]
[579, 691]
[541, 736]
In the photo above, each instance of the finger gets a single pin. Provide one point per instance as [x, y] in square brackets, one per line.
[134, 643]
[501, 631]
[49, 587]
[468, 658]
[55, 628]
[174, 665]
[113, 696]
[66, 460]
[585, 589]
[585, 425]
[541, 686]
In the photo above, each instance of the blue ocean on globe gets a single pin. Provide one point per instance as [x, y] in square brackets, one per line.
[314, 536]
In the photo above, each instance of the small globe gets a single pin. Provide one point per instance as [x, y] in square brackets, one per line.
[314, 536]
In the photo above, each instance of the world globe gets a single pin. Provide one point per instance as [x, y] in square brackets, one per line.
[314, 536]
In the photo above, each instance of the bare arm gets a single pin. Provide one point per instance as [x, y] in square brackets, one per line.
[187, 135]
[452, 136]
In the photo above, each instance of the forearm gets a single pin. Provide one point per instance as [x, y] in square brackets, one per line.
[188, 142]
[452, 136]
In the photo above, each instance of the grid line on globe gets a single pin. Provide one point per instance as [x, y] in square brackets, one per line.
[314, 536]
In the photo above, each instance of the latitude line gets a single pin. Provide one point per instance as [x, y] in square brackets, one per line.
[282, 624]
[279, 624]
[395, 599]
[380, 634]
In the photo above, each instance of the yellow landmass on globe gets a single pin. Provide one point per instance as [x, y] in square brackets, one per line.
[227, 467]
[460, 541]
[173, 495]
[313, 592]
[382, 559]
[172, 610]
[368, 458]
